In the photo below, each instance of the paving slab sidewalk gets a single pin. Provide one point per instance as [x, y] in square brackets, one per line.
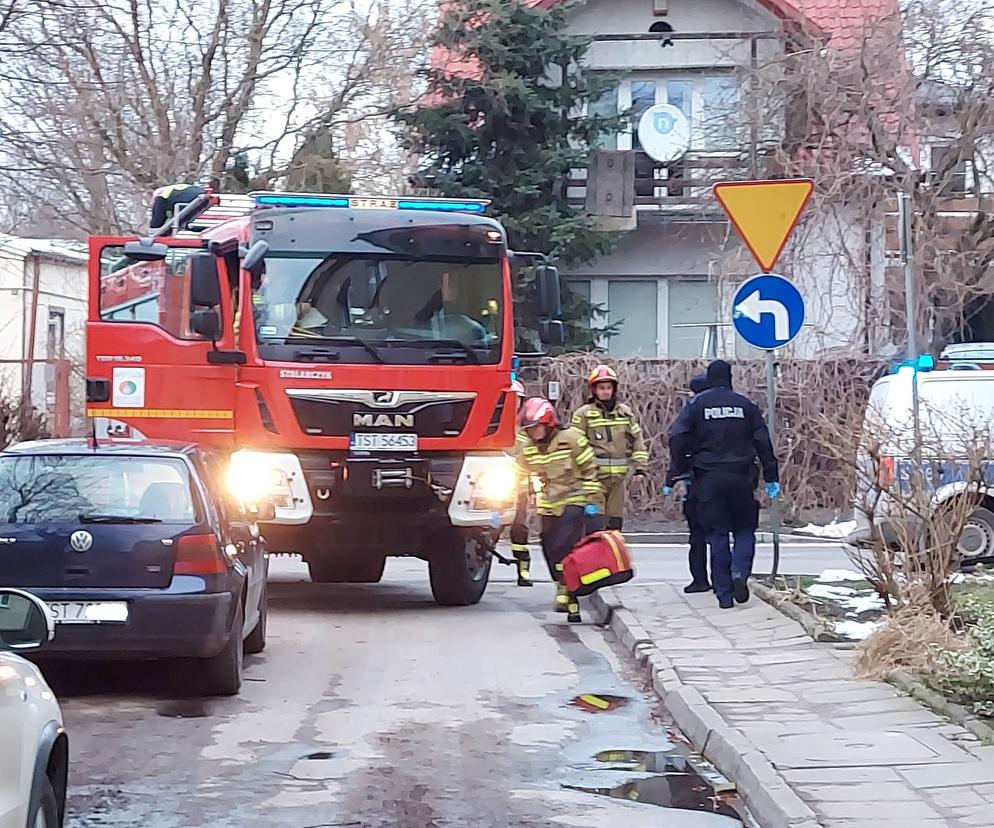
[782, 716]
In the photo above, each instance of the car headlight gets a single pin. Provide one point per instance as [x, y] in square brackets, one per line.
[496, 487]
[254, 476]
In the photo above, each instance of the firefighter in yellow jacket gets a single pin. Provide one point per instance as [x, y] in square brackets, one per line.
[569, 499]
[616, 438]
[519, 529]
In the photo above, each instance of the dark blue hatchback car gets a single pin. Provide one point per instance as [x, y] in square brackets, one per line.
[138, 551]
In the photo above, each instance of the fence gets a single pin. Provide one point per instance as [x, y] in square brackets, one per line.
[807, 391]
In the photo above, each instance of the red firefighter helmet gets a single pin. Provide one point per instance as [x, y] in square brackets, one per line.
[602, 373]
[538, 411]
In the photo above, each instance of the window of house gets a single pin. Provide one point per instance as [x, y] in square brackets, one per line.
[720, 118]
[949, 170]
[643, 97]
[632, 305]
[693, 306]
[580, 290]
[56, 340]
[606, 107]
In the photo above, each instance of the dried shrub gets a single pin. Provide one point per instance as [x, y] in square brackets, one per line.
[813, 477]
[19, 422]
[909, 640]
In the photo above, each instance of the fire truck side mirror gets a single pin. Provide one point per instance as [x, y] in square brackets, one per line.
[547, 287]
[207, 324]
[205, 289]
[253, 261]
[552, 332]
[145, 250]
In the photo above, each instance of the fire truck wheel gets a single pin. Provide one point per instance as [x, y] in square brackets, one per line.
[458, 567]
[347, 570]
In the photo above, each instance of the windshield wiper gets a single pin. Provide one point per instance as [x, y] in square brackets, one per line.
[462, 347]
[339, 340]
[124, 519]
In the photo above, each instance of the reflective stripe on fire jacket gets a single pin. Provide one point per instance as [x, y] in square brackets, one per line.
[615, 436]
[565, 470]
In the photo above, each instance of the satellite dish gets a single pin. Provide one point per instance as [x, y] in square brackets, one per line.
[664, 133]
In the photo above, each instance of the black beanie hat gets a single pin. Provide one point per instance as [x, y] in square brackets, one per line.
[719, 374]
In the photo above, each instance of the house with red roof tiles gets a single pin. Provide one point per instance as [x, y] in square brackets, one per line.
[670, 281]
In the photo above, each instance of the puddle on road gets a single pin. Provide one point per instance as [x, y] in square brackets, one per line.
[668, 779]
[598, 703]
[186, 709]
[320, 755]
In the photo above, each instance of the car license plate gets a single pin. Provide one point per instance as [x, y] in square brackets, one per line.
[88, 612]
[384, 442]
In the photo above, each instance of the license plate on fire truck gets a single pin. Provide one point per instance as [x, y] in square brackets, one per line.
[383, 442]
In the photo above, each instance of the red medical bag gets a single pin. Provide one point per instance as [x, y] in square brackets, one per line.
[598, 560]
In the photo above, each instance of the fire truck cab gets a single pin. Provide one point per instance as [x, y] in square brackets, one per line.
[351, 357]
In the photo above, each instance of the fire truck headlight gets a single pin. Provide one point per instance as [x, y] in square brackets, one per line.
[496, 487]
[255, 476]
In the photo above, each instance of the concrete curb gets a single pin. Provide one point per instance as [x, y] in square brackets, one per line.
[818, 629]
[770, 800]
[921, 692]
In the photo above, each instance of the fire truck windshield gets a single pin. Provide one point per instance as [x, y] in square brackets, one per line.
[379, 309]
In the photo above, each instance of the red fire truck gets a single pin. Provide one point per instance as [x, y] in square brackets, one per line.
[352, 357]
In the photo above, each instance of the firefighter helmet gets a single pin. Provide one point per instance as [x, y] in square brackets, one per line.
[602, 373]
[538, 411]
[518, 389]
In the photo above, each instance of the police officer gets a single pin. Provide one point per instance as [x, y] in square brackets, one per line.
[519, 529]
[717, 437]
[569, 497]
[616, 437]
[697, 555]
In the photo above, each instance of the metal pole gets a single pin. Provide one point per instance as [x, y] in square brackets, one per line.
[771, 402]
[906, 230]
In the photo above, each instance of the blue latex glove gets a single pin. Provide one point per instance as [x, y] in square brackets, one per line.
[591, 509]
[773, 490]
[667, 491]
[495, 520]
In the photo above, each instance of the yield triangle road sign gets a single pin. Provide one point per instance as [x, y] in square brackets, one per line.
[765, 213]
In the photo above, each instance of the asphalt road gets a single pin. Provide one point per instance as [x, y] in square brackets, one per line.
[373, 707]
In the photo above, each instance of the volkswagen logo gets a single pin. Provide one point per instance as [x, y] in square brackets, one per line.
[81, 541]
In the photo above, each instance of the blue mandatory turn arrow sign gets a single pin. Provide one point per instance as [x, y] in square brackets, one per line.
[768, 311]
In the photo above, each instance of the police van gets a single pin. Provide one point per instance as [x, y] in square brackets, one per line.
[955, 419]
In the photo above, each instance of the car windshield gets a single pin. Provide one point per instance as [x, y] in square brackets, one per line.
[95, 489]
[382, 309]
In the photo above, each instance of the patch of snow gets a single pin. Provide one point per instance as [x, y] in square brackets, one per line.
[833, 576]
[833, 593]
[837, 531]
[864, 603]
[856, 630]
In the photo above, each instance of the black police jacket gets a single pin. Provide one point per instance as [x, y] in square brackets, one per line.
[721, 430]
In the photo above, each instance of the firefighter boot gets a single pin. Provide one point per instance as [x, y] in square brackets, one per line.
[523, 559]
[573, 608]
[562, 596]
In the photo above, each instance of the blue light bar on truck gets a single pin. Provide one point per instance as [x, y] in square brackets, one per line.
[440, 205]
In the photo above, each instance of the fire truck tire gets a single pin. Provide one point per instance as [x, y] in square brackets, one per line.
[221, 675]
[458, 568]
[347, 570]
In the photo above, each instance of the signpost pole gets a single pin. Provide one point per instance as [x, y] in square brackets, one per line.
[771, 418]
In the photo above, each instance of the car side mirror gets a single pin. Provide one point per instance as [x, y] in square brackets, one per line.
[549, 293]
[146, 250]
[207, 324]
[205, 288]
[263, 511]
[25, 621]
[241, 532]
